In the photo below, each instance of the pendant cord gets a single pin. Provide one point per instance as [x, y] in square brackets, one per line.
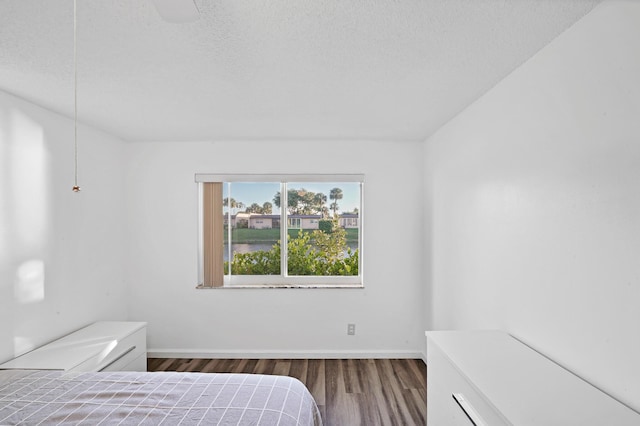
[76, 188]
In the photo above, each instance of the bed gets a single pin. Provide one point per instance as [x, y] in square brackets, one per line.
[30, 397]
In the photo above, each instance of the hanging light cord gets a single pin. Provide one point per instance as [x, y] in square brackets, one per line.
[76, 188]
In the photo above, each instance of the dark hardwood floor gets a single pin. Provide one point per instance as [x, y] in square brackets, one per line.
[348, 391]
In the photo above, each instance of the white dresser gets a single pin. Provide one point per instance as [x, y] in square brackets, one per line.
[489, 378]
[101, 346]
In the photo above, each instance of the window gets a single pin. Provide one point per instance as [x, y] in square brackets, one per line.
[294, 223]
[280, 230]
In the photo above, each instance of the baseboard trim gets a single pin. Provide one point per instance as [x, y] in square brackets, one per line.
[258, 354]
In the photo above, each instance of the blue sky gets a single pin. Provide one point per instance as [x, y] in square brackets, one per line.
[249, 193]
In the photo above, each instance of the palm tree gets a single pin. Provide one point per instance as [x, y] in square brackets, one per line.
[318, 203]
[232, 204]
[254, 208]
[335, 194]
[324, 212]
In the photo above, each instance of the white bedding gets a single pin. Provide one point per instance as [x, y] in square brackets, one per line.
[30, 397]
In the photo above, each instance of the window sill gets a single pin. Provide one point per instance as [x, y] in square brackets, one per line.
[283, 286]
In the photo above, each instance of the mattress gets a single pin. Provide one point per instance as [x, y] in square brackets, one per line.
[30, 397]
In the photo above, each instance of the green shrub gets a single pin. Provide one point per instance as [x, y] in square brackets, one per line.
[325, 226]
[318, 253]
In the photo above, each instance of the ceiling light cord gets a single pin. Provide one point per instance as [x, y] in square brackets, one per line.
[76, 188]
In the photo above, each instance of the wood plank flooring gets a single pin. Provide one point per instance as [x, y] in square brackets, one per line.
[348, 391]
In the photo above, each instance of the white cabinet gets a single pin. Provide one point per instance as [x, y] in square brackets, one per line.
[500, 381]
[101, 346]
[444, 381]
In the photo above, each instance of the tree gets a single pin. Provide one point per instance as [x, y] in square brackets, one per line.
[232, 203]
[319, 201]
[265, 208]
[334, 207]
[254, 208]
[292, 200]
[335, 194]
[303, 202]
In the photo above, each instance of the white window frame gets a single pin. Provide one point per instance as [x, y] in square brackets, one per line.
[284, 280]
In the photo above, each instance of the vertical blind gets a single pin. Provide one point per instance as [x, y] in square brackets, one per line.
[213, 233]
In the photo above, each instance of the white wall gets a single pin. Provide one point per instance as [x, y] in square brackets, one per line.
[535, 195]
[162, 258]
[60, 252]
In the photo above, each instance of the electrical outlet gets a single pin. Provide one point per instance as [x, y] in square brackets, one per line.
[351, 329]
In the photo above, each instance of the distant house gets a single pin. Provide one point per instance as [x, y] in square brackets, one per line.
[348, 220]
[264, 221]
[294, 221]
[299, 221]
[239, 220]
[225, 217]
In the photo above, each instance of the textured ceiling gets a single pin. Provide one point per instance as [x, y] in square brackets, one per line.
[272, 69]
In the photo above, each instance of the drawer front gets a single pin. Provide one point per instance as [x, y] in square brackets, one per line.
[443, 382]
[128, 363]
[128, 348]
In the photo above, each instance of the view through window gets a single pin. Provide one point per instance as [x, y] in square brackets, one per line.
[303, 230]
